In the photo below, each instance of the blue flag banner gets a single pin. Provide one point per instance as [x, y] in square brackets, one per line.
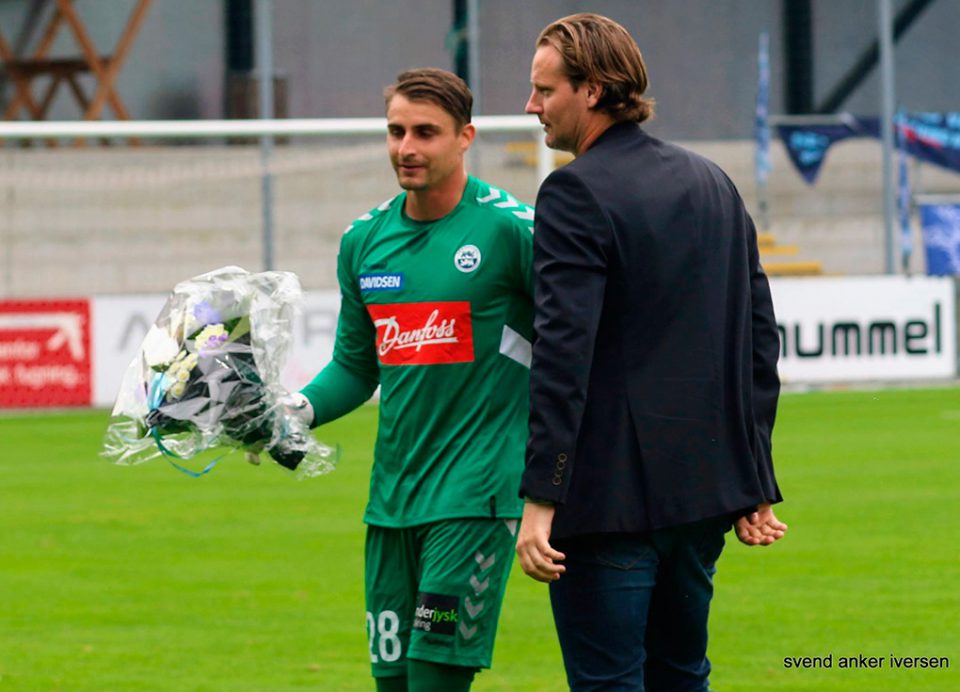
[807, 144]
[941, 238]
[903, 195]
[930, 137]
[761, 125]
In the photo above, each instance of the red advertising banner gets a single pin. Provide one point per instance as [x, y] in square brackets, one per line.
[44, 353]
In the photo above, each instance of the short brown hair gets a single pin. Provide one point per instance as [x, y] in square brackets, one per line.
[597, 49]
[437, 86]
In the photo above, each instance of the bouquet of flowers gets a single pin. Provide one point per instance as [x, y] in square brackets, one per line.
[207, 375]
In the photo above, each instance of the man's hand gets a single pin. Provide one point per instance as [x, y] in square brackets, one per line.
[760, 528]
[537, 558]
[294, 404]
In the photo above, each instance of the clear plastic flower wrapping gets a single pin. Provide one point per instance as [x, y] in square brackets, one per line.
[208, 375]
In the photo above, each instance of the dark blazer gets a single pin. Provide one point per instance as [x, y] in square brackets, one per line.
[654, 384]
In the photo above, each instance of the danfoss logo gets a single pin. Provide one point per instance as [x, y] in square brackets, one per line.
[423, 333]
[848, 339]
[434, 331]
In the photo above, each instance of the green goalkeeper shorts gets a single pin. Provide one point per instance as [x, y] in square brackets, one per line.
[434, 592]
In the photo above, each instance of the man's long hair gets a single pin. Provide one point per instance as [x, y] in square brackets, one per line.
[598, 50]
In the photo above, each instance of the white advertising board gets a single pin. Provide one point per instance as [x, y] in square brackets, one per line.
[841, 329]
[119, 325]
[847, 329]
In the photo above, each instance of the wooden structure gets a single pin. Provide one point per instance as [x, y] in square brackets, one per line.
[23, 70]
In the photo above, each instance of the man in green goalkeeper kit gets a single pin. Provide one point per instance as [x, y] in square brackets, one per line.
[436, 308]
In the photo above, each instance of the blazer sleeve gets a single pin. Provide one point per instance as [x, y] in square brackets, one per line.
[571, 243]
[766, 381]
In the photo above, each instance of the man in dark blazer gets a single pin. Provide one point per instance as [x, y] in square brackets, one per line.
[654, 380]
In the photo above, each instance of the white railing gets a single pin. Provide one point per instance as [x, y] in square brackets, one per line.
[186, 129]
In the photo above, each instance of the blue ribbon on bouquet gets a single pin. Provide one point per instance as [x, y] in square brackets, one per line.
[154, 399]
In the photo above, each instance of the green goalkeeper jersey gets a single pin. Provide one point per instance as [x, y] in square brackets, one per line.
[440, 315]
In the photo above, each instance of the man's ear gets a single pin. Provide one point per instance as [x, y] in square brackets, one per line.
[594, 94]
[467, 133]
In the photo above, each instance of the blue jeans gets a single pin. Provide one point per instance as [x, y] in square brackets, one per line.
[631, 609]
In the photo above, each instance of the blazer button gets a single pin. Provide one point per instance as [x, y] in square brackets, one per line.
[562, 457]
[557, 480]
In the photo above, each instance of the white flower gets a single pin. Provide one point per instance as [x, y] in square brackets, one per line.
[178, 374]
[159, 348]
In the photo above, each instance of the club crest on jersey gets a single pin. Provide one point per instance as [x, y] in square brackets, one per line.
[467, 258]
[380, 282]
[423, 333]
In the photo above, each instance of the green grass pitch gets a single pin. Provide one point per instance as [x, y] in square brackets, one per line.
[141, 578]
